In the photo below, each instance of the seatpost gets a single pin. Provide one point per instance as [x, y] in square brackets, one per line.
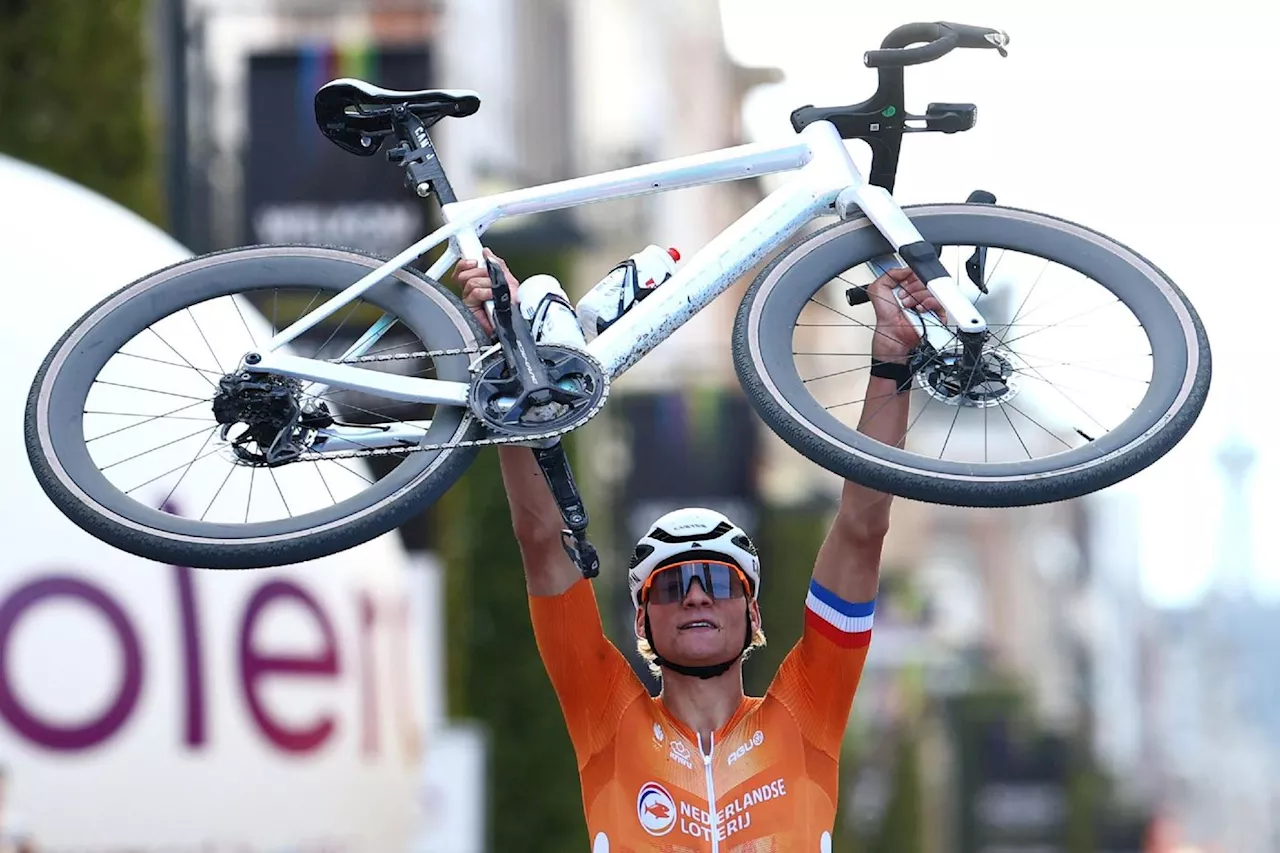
[417, 154]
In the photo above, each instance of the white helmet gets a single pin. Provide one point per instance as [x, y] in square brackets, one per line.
[692, 532]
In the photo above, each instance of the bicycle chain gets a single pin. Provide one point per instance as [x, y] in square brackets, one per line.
[475, 442]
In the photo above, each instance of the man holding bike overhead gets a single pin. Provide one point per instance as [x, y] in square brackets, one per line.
[704, 766]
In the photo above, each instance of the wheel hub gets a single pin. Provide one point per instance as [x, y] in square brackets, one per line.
[989, 382]
[578, 385]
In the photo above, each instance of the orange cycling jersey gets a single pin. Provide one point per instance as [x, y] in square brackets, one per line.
[767, 780]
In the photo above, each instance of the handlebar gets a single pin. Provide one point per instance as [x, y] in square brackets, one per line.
[941, 38]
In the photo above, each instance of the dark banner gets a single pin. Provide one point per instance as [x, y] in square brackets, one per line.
[301, 188]
[1014, 795]
[691, 447]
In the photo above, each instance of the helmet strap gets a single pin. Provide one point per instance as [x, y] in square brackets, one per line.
[703, 672]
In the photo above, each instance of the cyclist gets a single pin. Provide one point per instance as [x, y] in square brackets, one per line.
[702, 766]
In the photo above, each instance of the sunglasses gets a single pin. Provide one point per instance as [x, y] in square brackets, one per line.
[670, 584]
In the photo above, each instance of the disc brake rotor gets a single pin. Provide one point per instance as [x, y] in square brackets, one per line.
[989, 383]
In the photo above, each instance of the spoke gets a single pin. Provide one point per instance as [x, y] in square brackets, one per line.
[171, 470]
[837, 373]
[1042, 426]
[1068, 325]
[141, 415]
[991, 273]
[1024, 355]
[985, 412]
[188, 468]
[968, 386]
[387, 349]
[170, 363]
[152, 390]
[853, 320]
[929, 399]
[252, 339]
[1090, 369]
[249, 501]
[157, 447]
[1065, 397]
[1044, 305]
[863, 400]
[320, 471]
[1016, 434]
[1034, 285]
[342, 437]
[338, 462]
[337, 329]
[366, 411]
[183, 357]
[279, 491]
[885, 300]
[216, 360]
[928, 362]
[230, 470]
[149, 419]
[1072, 317]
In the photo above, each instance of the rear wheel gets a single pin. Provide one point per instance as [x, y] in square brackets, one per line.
[121, 432]
[1097, 365]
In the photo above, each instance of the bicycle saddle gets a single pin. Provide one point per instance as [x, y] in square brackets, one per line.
[349, 110]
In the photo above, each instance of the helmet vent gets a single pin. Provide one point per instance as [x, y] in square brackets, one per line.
[643, 550]
[663, 536]
[745, 544]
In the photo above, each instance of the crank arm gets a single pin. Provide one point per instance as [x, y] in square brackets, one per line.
[555, 467]
[517, 342]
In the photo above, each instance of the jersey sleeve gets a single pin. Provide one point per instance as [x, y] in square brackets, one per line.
[819, 676]
[592, 680]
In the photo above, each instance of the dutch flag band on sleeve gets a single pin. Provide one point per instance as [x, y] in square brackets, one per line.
[845, 623]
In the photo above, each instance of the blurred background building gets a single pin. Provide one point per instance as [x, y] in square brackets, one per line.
[1020, 695]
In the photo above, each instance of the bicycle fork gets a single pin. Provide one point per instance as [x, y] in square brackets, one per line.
[934, 334]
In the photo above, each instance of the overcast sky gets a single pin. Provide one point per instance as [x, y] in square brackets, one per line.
[1157, 129]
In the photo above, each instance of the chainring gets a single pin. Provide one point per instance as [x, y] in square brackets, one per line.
[495, 392]
[487, 356]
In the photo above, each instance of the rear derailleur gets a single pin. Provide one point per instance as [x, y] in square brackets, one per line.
[275, 424]
[532, 389]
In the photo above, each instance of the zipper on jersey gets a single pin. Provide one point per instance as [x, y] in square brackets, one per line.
[711, 791]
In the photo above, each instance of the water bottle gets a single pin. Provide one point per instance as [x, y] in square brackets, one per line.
[547, 308]
[624, 286]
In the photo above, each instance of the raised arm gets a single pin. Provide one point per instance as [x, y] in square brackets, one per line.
[848, 563]
[535, 518]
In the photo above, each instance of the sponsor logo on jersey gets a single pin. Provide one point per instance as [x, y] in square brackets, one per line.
[680, 754]
[658, 734]
[656, 809]
[756, 740]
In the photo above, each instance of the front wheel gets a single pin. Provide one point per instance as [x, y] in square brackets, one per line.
[122, 429]
[1096, 364]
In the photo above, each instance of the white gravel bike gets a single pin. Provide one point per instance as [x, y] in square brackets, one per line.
[299, 400]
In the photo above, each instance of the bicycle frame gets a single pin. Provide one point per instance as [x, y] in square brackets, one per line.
[826, 182]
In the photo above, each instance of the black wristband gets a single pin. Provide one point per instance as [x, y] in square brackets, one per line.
[899, 373]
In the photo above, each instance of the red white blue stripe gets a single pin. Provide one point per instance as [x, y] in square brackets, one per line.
[845, 623]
